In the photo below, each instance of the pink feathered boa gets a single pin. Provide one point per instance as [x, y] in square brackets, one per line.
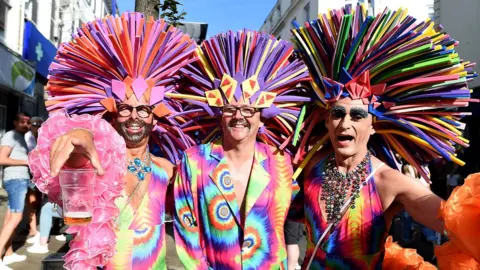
[94, 243]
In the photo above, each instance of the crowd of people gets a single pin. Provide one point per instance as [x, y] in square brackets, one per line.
[332, 132]
[24, 199]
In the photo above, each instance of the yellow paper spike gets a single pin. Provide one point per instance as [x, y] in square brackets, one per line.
[262, 60]
[293, 104]
[387, 26]
[453, 55]
[247, 47]
[274, 45]
[184, 96]
[291, 76]
[434, 131]
[285, 123]
[332, 25]
[411, 137]
[289, 115]
[317, 90]
[445, 124]
[309, 156]
[404, 15]
[274, 75]
[318, 62]
[307, 50]
[205, 64]
[437, 39]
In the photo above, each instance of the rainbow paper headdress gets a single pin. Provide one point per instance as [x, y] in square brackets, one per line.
[111, 59]
[251, 67]
[408, 73]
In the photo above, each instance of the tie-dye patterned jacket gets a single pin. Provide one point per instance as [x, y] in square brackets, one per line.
[209, 233]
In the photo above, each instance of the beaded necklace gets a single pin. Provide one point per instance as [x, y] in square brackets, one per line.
[336, 185]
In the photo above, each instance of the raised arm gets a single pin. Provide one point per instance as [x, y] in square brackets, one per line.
[418, 200]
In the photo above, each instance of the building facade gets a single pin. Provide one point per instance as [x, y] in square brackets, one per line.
[279, 20]
[30, 32]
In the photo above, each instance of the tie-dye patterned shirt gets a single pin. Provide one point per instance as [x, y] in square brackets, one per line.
[209, 232]
[141, 234]
[358, 241]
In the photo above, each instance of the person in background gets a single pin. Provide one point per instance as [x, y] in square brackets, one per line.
[293, 231]
[14, 159]
[33, 195]
[40, 242]
[454, 179]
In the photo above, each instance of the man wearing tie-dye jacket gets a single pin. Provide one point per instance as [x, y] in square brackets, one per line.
[233, 193]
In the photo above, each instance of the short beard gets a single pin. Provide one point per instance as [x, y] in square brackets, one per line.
[135, 138]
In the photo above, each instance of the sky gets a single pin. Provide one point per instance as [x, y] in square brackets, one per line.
[221, 15]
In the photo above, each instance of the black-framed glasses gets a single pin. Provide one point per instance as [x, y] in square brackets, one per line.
[143, 111]
[244, 111]
[36, 124]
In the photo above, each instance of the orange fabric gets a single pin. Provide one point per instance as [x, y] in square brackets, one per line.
[449, 257]
[461, 213]
[398, 258]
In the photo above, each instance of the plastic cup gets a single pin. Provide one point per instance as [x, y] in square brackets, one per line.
[77, 194]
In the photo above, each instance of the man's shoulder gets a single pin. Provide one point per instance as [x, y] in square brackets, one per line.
[8, 137]
[164, 164]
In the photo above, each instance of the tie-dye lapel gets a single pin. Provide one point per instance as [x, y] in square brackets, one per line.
[259, 178]
[221, 177]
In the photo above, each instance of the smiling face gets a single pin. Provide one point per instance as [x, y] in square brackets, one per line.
[134, 125]
[349, 126]
[239, 128]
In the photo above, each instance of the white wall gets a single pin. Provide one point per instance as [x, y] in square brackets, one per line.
[14, 26]
[465, 28]
[416, 8]
[44, 17]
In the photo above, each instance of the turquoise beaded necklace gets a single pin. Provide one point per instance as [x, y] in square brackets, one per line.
[140, 168]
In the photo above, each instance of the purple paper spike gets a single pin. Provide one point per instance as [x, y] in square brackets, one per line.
[284, 98]
[238, 91]
[271, 112]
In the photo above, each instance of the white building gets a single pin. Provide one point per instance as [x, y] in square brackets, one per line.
[30, 32]
[279, 21]
[465, 28]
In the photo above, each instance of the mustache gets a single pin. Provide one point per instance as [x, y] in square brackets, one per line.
[235, 122]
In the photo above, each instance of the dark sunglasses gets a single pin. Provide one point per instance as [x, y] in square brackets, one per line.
[36, 124]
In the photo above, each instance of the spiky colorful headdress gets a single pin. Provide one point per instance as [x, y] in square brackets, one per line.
[251, 67]
[408, 73]
[111, 59]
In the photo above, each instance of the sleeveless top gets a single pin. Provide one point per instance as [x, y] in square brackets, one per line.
[141, 234]
[358, 241]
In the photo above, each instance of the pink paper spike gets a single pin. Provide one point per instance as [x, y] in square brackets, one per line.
[118, 89]
[157, 94]
[139, 87]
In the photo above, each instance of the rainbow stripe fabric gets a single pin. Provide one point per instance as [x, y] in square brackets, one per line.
[358, 240]
[209, 228]
[141, 233]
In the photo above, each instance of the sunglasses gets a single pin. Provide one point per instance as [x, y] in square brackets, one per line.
[36, 124]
